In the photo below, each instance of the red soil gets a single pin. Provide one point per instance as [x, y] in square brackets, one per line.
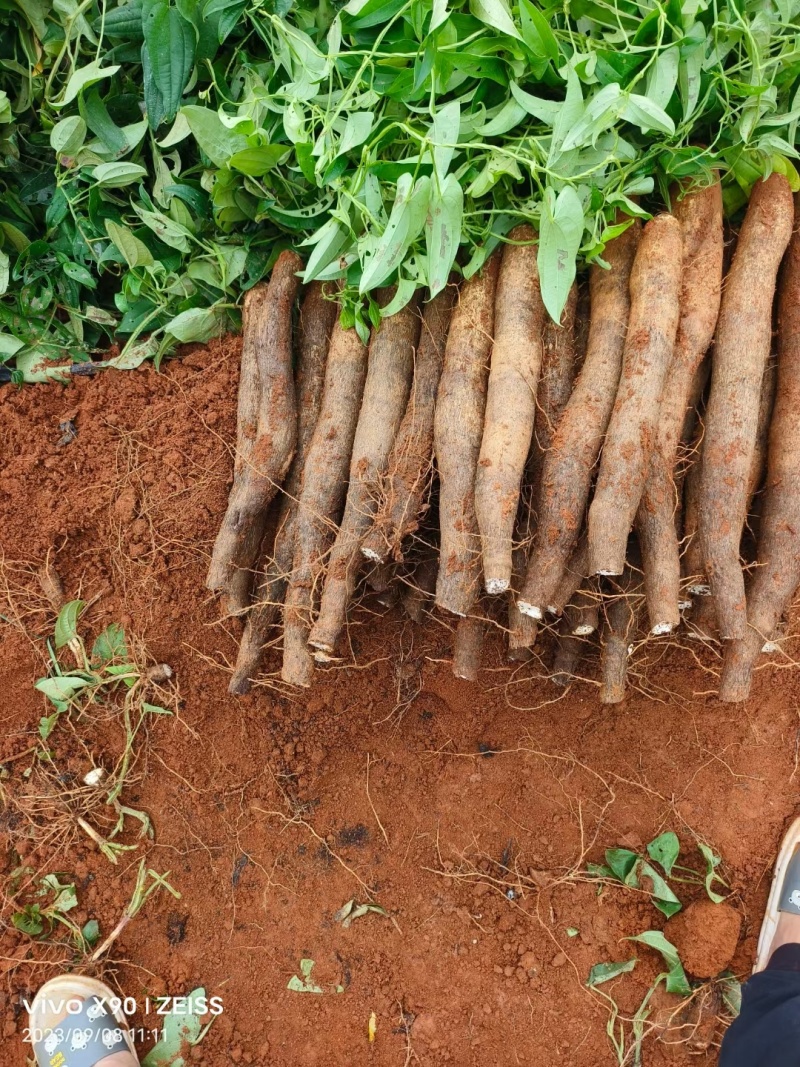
[467, 811]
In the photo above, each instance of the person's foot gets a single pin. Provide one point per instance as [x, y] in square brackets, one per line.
[787, 931]
[781, 924]
[73, 1015]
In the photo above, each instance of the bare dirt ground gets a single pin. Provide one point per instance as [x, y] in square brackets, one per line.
[467, 811]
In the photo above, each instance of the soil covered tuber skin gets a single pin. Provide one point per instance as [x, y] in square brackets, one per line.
[468, 647]
[700, 216]
[266, 432]
[519, 322]
[619, 627]
[741, 351]
[631, 438]
[317, 316]
[774, 581]
[458, 429]
[389, 370]
[322, 495]
[567, 467]
[402, 499]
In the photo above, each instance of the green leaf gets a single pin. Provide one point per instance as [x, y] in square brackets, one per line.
[118, 175]
[134, 252]
[495, 13]
[97, 118]
[166, 229]
[731, 994]
[663, 897]
[404, 226]
[536, 32]
[690, 69]
[712, 862]
[623, 863]
[443, 231]
[600, 113]
[357, 129]
[62, 687]
[216, 140]
[604, 972]
[406, 288]
[29, 920]
[68, 135]
[90, 932]
[182, 1030]
[676, 976]
[545, 111]
[443, 135]
[155, 709]
[110, 645]
[67, 622]
[645, 114]
[664, 850]
[305, 984]
[560, 234]
[82, 78]
[257, 161]
[329, 242]
[569, 113]
[197, 324]
[66, 897]
[125, 21]
[509, 116]
[170, 42]
[662, 77]
[439, 15]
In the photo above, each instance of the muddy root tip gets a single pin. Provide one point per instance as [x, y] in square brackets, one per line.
[532, 610]
[239, 686]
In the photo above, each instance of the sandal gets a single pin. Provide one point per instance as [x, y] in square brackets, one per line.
[784, 895]
[72, 1023]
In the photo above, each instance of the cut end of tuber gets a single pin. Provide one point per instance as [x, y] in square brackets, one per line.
[662, 628]
[371, 554]
[584, 629]
[496, 585]
[529, 609]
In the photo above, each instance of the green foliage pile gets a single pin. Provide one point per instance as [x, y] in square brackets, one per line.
[156, 155]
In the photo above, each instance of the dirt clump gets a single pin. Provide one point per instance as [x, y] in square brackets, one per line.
[706, 935]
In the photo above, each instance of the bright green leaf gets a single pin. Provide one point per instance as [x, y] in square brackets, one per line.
[495, 13]
[67, 622]
[676, 976]
[68, 135]
[443, 231]
[197, 324]
[217, 141]
[664, 850]
[82, 78]
[134, 252]
[560, 233]
[604, 972]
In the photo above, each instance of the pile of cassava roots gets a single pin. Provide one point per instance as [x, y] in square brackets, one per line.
[630, 470]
